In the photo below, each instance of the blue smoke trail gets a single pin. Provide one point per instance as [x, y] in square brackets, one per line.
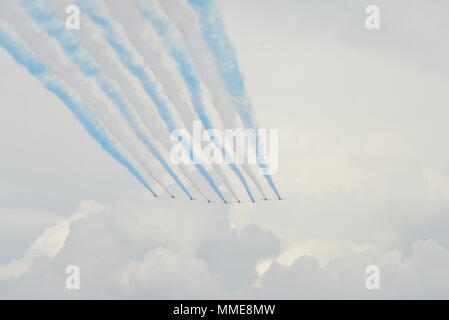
[181, 56]
[87, 65]
[148, 84]
[215, 35]
[79, 110]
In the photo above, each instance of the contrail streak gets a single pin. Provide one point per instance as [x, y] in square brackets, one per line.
[91, 41]
[167, 33]
[81, 111]
[127, 58]
[186, 21]
[214, 33]
[135, 27]
[142, 39]
[89, 68]
[48, 54]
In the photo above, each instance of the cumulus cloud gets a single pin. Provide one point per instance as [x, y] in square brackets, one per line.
[19, 228]
[49, 242]
[422, 274]
[146, 249]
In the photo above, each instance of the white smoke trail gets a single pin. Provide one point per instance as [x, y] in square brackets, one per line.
[12, 43]
[71, 46]
[146, 43]
[214, 33]
[94, 43]
[100, 16]
[148, 46]
[170, 38]
[48, 53]
[188, 25]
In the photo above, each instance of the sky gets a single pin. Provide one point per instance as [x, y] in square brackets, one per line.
[363, 168]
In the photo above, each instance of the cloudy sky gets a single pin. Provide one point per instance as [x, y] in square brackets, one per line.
[364, 168]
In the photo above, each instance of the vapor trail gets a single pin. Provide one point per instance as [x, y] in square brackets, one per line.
[186, 22]
[142, 39]
[81, 111]
[215, 35]
[168, 34]
[146, 43]
[88, 67]
[148, 84]
[92, 40]
[47, 52]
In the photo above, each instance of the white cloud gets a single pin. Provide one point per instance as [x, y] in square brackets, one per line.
[48, 243]
[210, 259]
[168, 274]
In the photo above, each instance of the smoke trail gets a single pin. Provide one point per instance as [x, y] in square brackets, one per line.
[145, 41]
[147, 82]
[214, 32]
[134, 25]
[88, 67]
[93, 43]
[147, 45]
[186, 21]
[181, 56]
[79, 110]
[45, 51]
